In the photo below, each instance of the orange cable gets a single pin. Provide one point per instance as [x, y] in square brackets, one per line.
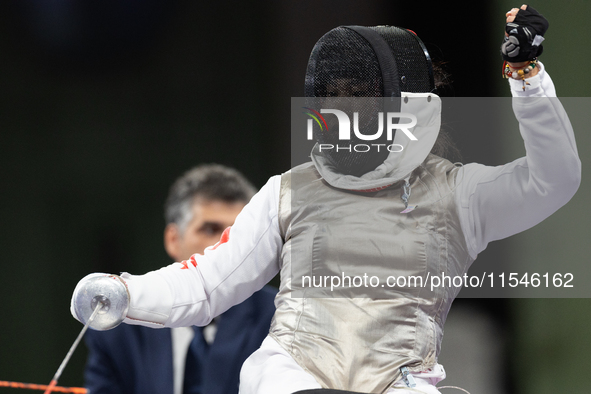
[50, 387]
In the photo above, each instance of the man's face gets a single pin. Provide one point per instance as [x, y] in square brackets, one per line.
[209, 220]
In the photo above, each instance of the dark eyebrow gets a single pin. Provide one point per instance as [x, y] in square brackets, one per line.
[211, 224]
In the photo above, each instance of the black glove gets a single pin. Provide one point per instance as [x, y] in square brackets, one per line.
[526, 34]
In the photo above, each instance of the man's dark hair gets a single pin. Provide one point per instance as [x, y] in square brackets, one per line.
[207, 182]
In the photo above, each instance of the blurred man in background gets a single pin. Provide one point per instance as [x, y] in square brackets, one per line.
[134, 359]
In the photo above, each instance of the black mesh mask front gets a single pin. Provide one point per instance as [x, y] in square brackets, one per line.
[356, 61]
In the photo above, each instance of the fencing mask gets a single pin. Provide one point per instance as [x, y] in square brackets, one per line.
[357, 61]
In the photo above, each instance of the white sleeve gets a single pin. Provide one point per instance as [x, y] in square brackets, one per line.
[193, 292]
[496, 202]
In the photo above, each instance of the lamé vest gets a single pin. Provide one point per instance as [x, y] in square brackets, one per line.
[357, 299]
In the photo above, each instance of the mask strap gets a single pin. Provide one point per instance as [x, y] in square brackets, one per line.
[386, 60]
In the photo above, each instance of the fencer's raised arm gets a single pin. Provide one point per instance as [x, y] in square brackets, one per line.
[497, 202]
[193, 292]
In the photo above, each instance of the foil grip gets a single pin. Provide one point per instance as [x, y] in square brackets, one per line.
[110, 292]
